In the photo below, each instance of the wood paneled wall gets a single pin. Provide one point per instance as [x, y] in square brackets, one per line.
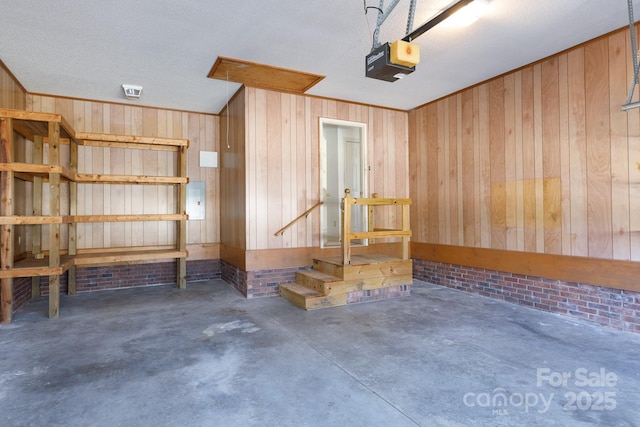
[538, 160]
[12, 94]
[90, 116]
[282, 163]
[233, 173]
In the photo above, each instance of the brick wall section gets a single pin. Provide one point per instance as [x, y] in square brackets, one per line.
[205, 269]
[235, 276]
[615, 308]
[21, 291]
[378, 294]
[259, 283]
[90, 279]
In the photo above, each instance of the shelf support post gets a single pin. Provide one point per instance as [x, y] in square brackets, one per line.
[36, 237]
[54, 208]
[73, 211]
[182, 224]
[6, 209]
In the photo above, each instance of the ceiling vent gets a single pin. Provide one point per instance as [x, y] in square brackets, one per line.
[132, 91]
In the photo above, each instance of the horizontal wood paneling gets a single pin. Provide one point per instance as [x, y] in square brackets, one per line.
[90, 116]
[539, 160]
[282, 155]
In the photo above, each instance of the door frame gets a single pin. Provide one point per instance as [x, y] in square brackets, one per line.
[322, 167]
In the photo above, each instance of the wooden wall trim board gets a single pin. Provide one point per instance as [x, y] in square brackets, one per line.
[592, 271]
[202, 251]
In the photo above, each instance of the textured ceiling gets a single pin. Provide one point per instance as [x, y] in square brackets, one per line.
[87, 49]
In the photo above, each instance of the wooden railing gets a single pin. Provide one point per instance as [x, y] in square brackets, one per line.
[373, 233]
[303, 215]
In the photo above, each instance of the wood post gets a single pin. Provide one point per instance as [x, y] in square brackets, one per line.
[406, 226]
[182, 224]
[36, 237]
[73, 211]
[6, 209]
[54, 210]
[370, 218]
[346, 227]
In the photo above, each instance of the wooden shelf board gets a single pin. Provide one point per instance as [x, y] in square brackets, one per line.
[29, 124]
[84, 178]
[128, 218]
[106, 140]
[30, 220]
[42, 171]
[127, 257]
[31, 267]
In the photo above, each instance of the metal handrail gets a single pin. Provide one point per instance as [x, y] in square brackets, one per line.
[304, 215]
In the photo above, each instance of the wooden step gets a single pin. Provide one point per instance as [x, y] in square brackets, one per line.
[371, 283]
[318, 281]
[364, 266]
[309, 299]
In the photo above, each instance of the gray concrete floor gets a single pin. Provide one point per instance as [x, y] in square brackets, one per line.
[206, 356]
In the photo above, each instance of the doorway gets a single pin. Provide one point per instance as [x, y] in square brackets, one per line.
[342, 165]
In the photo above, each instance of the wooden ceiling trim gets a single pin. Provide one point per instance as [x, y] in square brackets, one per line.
[263, 76]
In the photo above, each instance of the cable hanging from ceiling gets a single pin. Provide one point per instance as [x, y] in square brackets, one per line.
[634, 54]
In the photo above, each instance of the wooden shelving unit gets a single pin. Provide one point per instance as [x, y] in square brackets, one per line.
[53, 129]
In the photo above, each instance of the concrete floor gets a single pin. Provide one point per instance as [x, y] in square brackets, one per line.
[206, 356]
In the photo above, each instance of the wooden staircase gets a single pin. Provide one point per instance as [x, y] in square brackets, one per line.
[335, 281]
[330, 283]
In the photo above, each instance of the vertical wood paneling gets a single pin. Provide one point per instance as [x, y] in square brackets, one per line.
[236, 172]
[578, 156]
[544, 157]
[498, 167]
[511, 206]
[484, 176]
[598, 149]
[468, 178]
[432, 172]
[633, 141]
[452, 167]
[620, 219]
[565, 152]
[552, 193]
[538, 158]
[282, 130]
[12, 94]
[519, 173]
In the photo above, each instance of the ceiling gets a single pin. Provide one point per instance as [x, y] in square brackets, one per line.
[88, 49]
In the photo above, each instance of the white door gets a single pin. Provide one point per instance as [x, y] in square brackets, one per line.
[342, 165]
